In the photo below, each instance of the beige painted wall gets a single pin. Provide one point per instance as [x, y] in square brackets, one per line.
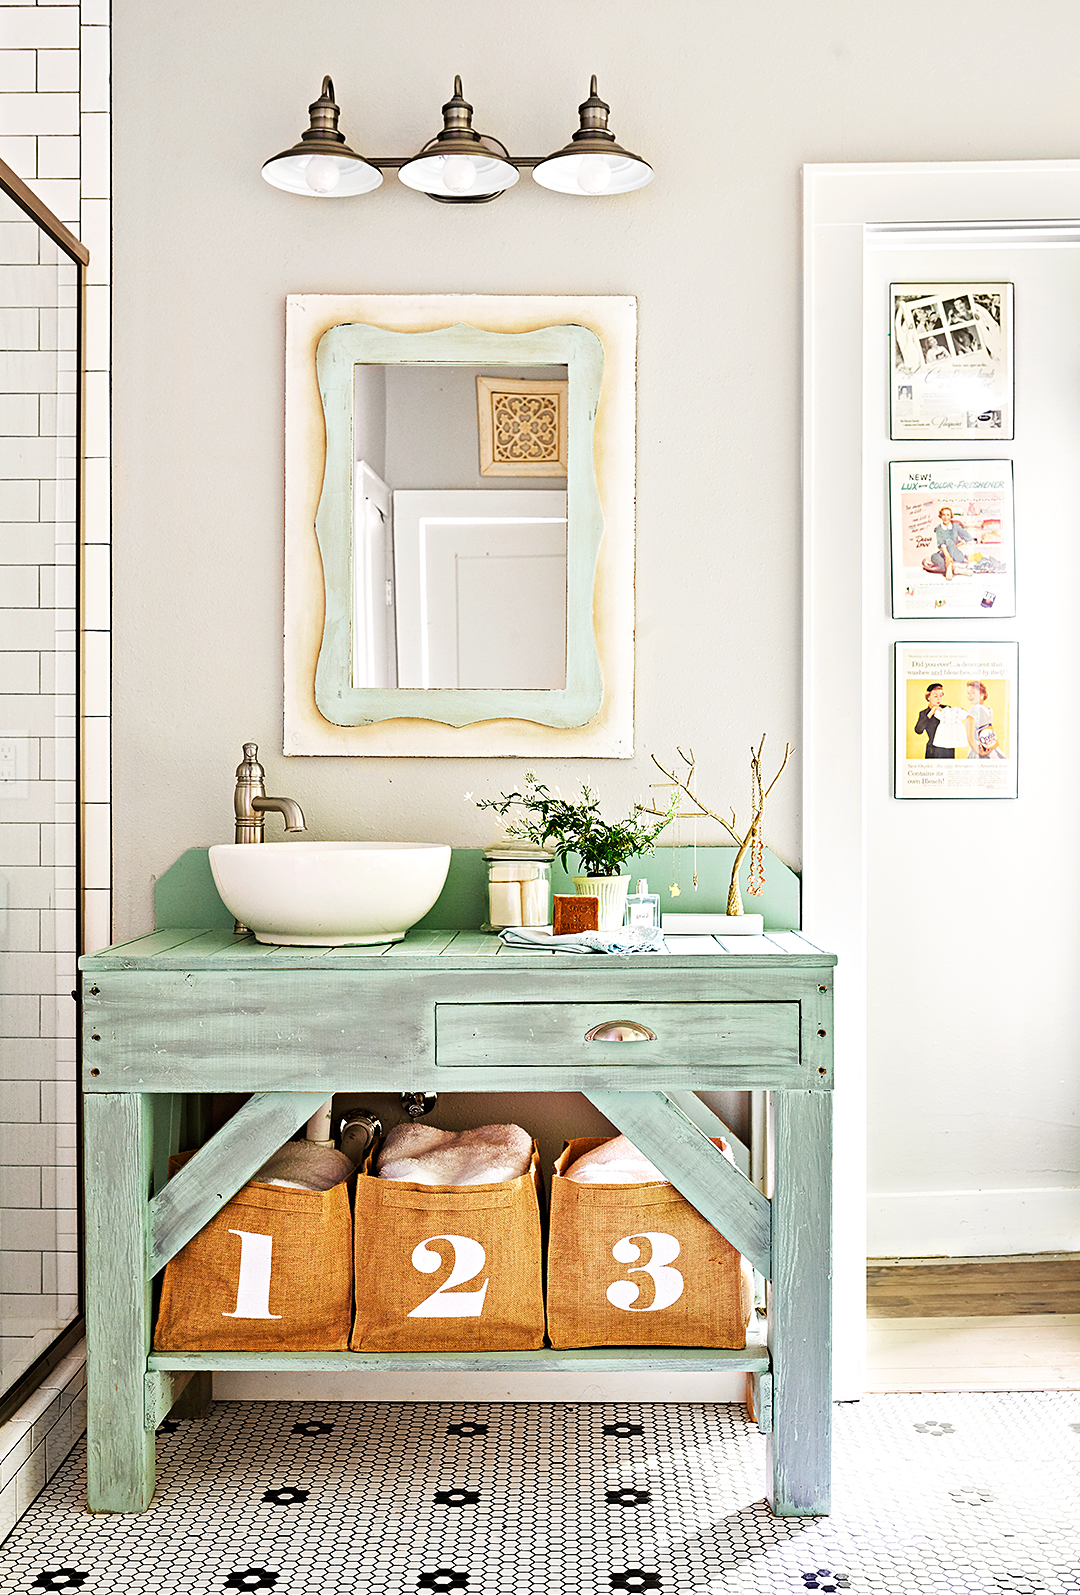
[727, 102]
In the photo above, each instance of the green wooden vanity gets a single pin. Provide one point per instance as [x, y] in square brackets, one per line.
[182, 1012]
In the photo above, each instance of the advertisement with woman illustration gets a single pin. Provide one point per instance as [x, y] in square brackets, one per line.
[952, 539]
[956, 720]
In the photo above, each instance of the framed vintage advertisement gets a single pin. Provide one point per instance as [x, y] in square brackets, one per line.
[956, 720]
[952, 539]
[951, 372]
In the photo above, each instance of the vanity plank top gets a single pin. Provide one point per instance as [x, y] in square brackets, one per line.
[442, 950]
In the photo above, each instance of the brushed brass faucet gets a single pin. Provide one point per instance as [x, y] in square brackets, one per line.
[251, 804]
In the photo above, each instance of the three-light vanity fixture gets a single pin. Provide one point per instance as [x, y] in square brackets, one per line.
[458, 166]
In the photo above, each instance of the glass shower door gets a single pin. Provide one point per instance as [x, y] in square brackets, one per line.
[40, 289]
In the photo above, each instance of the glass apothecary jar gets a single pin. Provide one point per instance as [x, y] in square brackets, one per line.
[519, 886]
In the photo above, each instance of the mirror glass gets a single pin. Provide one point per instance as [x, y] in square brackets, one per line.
[459, 526]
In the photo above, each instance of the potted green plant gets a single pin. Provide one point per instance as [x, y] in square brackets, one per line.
[602, 846]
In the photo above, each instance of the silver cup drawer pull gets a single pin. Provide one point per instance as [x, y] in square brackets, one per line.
[620, 1030]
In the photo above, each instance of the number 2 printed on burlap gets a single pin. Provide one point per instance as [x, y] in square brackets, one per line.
[667, 1282]
[469, 1260]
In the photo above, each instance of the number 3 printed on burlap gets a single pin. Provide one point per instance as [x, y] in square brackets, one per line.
[667, 1282]
[469, 1259]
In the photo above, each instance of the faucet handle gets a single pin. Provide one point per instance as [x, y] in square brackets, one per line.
[250, 769]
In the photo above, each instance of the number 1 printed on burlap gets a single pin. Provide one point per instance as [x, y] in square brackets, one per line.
[667, 1282]
[253, 1285]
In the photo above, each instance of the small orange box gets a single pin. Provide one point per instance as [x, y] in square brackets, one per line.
[573, 914]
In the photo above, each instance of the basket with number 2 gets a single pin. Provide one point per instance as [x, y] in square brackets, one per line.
[448, 1267]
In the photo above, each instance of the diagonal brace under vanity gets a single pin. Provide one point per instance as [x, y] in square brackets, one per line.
[685, 1155]
[218, 1170]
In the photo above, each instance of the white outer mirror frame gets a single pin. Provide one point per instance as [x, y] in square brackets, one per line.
[609, 734]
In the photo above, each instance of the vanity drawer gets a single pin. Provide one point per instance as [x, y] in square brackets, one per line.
[555, 1034]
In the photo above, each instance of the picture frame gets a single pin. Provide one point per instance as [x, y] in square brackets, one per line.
[951, 360]
[952, 539]
[956, 720]
[522, 426]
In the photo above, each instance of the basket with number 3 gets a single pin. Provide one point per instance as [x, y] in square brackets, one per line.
[448, 1267]
[636, 1265]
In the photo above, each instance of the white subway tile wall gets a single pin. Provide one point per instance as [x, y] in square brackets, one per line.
[54, 133]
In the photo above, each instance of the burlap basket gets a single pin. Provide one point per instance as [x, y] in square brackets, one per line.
[636, 1265]
[271, 1272]
[448, 1267]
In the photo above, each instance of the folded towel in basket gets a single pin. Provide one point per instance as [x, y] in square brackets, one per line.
[636, 939]
[305, 1167]
[618, 1162]
[427, 1156]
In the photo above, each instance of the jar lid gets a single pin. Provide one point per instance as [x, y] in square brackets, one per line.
[537, 855]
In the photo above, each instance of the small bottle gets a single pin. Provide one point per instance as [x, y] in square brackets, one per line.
[642, 908]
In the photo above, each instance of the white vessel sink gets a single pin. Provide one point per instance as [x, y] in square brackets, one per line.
[329, 894]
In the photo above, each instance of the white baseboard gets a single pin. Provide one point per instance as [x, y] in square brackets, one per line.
[973, 1223]
[479, 1387]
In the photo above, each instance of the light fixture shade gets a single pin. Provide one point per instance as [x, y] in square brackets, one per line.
[460, 166]
[322, 165]
[592, 162]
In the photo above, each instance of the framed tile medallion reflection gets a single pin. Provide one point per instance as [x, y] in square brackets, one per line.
[521, 426]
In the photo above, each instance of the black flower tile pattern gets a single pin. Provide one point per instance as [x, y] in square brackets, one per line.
[627, 1495]
[547, 1498]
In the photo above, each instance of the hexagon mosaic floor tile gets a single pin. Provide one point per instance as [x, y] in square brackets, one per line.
[933, 1495]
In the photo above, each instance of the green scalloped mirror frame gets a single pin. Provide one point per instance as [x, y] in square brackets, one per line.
[341, 349]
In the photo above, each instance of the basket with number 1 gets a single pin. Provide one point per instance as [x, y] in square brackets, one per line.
[636, 1265]
[448, 1267]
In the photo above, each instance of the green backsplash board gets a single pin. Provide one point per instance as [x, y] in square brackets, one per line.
[186, 897]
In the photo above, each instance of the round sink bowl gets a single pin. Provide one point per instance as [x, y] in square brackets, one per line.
[329, 894]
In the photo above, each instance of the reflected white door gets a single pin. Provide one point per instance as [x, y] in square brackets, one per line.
[374, 652]
[481, 588]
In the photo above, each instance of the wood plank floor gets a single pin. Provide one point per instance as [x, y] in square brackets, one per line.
[972, 1287]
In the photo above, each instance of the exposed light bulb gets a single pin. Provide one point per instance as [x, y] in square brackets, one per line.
[321, 174]
[594, 174]
[458, 173]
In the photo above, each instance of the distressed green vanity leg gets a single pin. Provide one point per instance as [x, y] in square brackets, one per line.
[118, 1166]
[800, 1305]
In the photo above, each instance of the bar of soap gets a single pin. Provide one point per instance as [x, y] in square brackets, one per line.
[571, 915]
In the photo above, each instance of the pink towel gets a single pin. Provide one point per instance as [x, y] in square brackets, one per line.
[618, 1162]
[426, 1156]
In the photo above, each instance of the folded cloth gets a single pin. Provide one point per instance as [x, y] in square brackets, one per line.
[618, 1162]
[305, 1167]
[636, 939]
[426, 1156]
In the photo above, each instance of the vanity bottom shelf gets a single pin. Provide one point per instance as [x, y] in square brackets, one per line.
[596, 1359]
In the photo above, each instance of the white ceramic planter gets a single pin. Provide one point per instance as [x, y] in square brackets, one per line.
[611, 890]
